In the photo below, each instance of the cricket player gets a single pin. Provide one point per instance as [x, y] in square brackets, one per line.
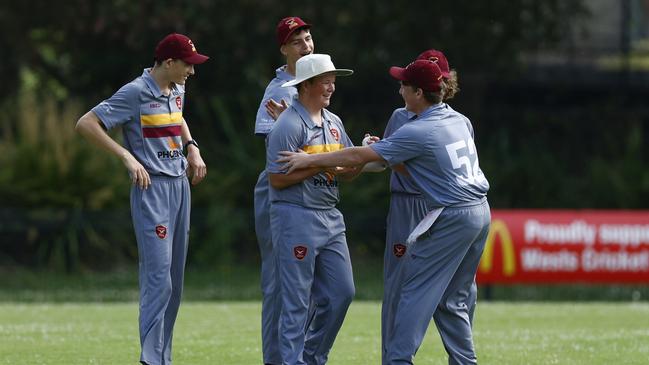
[443, 251]
[408, 206]
[150, 111]
[295, 41]
[308, 231]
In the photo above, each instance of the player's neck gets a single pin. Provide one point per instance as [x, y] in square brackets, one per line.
[316, 116]
[161, 79]
[418, 108]
[290, 68]
[315, 110]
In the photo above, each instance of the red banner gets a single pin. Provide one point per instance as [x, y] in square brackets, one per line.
[565, 246]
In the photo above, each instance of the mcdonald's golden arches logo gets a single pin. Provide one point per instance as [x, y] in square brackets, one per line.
[499, 229]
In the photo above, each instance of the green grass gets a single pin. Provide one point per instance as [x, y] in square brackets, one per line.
[241, 283]
[227, 333]
[238, 282]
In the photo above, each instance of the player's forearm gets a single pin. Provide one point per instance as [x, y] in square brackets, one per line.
[90, 128]
[185, 134]
[348, 157]
[282, 181]
[350, 174]
[344, 158]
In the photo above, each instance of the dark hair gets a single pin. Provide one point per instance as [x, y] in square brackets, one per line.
[298, 31]
[451, 86]
[433, 97]
[301, 85]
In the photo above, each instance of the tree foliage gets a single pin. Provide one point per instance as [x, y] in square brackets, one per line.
[65, 202]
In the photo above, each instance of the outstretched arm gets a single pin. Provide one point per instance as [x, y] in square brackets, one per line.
[347, 157]
[281, 181]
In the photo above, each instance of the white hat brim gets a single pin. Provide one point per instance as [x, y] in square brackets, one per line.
[338, 72]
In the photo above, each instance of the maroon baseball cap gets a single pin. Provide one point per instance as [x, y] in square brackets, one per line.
[287, 26]
[437, 57]
[423, 74]
[178, 46]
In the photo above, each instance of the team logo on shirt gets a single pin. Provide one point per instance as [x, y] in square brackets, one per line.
[329, 182]
[399, 249]
[299, 252]
[170, 155]
[331, 177]
[179, 102]
[174, 151]
[161, 231]
[173, 144]
[335, 133]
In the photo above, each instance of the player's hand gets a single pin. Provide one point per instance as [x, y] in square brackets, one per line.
[294, 160]
[369, 139]
[341, 169]
[137, 172]
[197, 168]
[274, 109]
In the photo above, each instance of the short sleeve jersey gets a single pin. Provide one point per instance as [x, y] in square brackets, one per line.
[275, 91]
[295, 130]
[400, 183]
[439, 153]
[151, 123]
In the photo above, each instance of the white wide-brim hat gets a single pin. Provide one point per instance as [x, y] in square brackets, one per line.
[313, 65]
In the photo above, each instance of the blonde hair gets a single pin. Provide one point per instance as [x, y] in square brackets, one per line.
[450, 86]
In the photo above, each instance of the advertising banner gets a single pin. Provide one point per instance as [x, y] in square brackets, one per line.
[566, 246]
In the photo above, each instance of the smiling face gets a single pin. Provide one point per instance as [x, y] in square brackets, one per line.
[179, 71]
[318, 90]
[299, 44]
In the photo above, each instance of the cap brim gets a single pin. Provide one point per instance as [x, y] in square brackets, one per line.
[291, 83]
[338, 72]
[398, 73]
[196, 59]
[343, 72]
